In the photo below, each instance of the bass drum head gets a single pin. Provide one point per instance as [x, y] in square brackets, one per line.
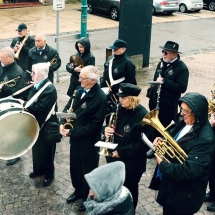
[18, 133]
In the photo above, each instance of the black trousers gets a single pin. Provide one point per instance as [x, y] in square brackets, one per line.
[212, 179]
[166, 211]
[131, 182]
[82, 161]
[43, 154]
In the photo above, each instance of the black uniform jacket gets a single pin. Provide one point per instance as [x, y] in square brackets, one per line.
[131, 149]
[87, 57]
[8, 73]
[175, 81]
[90, 112]
[183, 186]
[41, 107]
[122, 67]
[29, 43]
[47, 55]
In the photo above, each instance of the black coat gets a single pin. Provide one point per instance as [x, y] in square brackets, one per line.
[131, 149]
[122, 67]
[29, 43]
[47, 55]
[183, 186]
[8, 73]
[43, 104]
[175, 81]
[90, 112]
[87, 57]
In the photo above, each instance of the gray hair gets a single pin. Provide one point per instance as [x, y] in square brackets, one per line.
[9, 51]
[91, 72]
[42, 68]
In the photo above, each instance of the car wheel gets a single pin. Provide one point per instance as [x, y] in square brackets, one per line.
[182, 8]
[211, 5]
[90, 9]
[153, 10]
[114, 13]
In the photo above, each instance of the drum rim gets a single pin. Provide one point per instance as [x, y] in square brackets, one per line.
[33, 142]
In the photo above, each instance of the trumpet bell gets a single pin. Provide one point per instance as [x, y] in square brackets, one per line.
[67, 125]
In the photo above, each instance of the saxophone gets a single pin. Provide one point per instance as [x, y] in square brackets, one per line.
[68, 124]
[112, 124]
[22, 44]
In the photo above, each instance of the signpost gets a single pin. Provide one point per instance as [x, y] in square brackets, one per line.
[57, 6]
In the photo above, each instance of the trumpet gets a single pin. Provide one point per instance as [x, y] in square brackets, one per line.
[53, 60]
[22, 44]
[68, 124]
[10, 83]
[112, 123]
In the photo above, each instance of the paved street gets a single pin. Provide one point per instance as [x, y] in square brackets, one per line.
[20, 195]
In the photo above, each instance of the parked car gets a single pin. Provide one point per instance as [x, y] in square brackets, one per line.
[210, 4]
[162, 6]
[190, 5]
[109, 7]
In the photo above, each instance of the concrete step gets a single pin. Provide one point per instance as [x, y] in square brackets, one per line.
[19, 5]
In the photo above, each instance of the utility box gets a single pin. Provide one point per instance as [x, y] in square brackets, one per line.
[135, 23]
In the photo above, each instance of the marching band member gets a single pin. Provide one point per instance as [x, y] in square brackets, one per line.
[182, 186]
[43, 151]
[42, 53]
[22, 44]
[174, 74]
[90, 104]
[83, 53]
[9, 70]
[127, 133]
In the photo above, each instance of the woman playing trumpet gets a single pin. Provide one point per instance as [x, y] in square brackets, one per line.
[127, 133]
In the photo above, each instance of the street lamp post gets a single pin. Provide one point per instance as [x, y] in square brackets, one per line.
[84, 18]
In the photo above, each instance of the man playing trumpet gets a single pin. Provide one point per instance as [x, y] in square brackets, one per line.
[43, 53]
[10, 71]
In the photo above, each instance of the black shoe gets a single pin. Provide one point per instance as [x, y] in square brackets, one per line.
[211, 207]
[82, 207]
[150, 154]
[47, 182]
[12, 161]
[72, 198]
[209, 198]
[34, 175]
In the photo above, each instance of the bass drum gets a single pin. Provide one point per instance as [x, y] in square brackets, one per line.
[19, 129]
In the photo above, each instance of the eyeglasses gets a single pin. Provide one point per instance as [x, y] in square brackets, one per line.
[33, 73]
[82, 79]
[184, 111]
[165, 52]
[19, 30]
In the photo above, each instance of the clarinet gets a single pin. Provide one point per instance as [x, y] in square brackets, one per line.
[159, 86]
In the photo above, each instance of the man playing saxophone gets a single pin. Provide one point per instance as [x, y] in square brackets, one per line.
[12, 79]
[21, 45]
[90, 106]
[182, 186]
[43, 53]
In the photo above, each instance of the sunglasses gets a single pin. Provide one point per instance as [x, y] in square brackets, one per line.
[165, 52]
